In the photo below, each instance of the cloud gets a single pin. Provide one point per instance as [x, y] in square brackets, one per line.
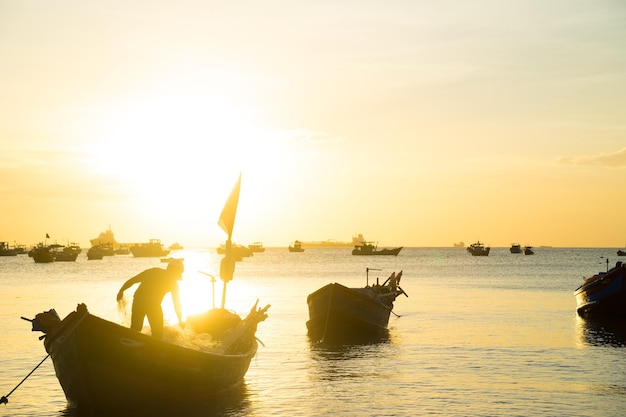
[610, 160]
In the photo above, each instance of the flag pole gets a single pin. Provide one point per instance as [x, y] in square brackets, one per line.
[227, 223]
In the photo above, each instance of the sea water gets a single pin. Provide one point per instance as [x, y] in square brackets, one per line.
[477, 336]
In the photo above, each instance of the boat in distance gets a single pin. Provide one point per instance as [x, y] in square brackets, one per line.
[331, 243]
[154, 248]
[338, 314]
[104, 367]
[368, 248]
[603, 294]
[256, 247]
[296, 247]
[478, 249]
[516, 248]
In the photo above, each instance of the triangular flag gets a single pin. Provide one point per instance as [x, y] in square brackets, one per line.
[227, 218]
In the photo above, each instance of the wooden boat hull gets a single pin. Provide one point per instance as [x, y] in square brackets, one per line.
[104, 366]
[603, 294]
[341, 314]
[43, 256]
[386, 252]
[479, 251]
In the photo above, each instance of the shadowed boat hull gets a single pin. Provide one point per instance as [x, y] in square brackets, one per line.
[603, 294]
[340, 314]
[104, 366]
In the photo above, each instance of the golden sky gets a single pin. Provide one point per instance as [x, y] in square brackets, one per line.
[416, 123]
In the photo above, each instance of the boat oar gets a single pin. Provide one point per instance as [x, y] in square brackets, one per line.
[5, 398]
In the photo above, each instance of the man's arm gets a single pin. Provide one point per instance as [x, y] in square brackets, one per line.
[134, 280]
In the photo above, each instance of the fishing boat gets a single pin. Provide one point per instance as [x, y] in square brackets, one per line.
[108, 368]
[256, 247]
[516, 248]
[95, 252]
[369, 248]
[103, 366]
[338, 314]
[176, 246]
[154, 248]
[238, 251]
[296, 247]
[122, 250]
[603, 294]
[6, 250]
[528, 250]
[478, 249]
[42, 253]
[67, 253]
[621, 252]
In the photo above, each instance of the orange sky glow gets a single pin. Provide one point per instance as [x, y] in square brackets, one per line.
[414, 123]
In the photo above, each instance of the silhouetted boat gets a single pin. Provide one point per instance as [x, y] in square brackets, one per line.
[368, 248]
[108, 368]
[42, 253]
[154, 248]
[105, 367]
[238, 251]
[106, 237]
[516, 248]
[603, 294]
[176, 246]
[122, 250]
[528, 250]
[256, 247]
[67, 253]
[478, 249]
[338, 314]
[95, 252]
[621, 252]
[296, 247]
[5, 250]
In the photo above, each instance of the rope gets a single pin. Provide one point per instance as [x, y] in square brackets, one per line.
[5, 398]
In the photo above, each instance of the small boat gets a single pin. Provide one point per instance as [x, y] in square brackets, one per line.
[5, 250]
[67, 253]
[42, 253]
[105, 367]
[153, 249]
[478, 249]
[256, 247]
[176, 246]
[122, 250]
[460, 244]
[528, 250]
[516, 248]
[238, 251]
[368, 248]
[604, 294]
[95, 252]
[338, 314]
[621, 252]
[296, 247]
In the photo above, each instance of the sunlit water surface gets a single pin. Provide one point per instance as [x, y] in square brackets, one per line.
[478, 336]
